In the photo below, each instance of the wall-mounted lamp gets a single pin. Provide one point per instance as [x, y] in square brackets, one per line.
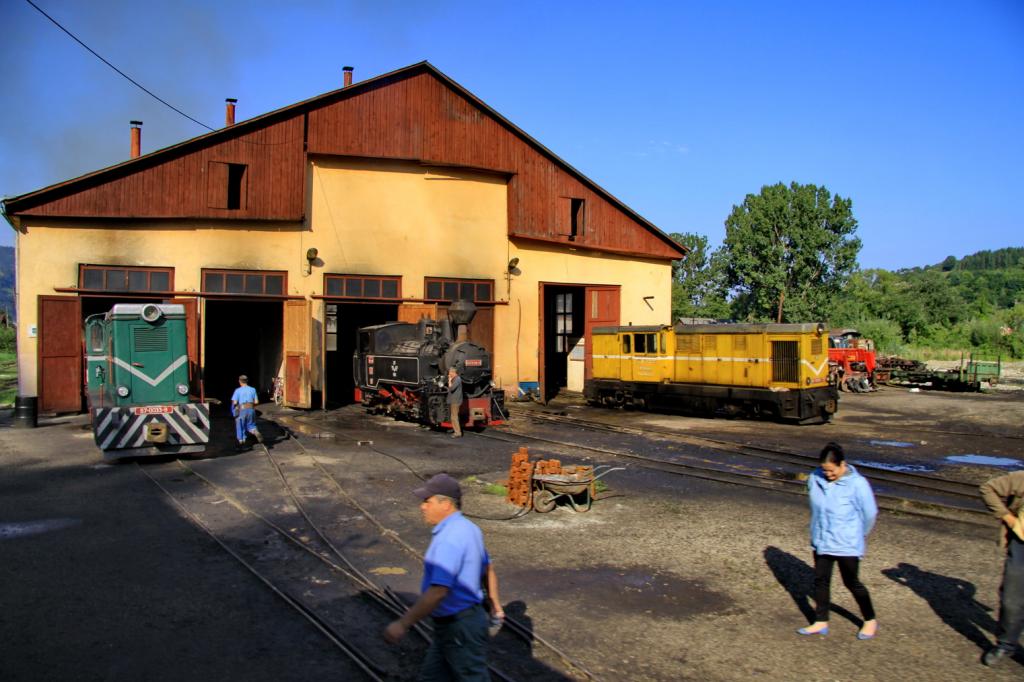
[311, 254]
[513, 264]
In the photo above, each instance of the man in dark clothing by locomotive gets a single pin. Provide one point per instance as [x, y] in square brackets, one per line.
[455, 401]
[1004, 496]
[455, 565]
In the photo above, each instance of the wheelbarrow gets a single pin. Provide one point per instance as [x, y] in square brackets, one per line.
[548, 488]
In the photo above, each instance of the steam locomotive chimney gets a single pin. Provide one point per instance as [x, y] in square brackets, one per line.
[136, 138]
[348, 75]
[461, 313]
[229, 111]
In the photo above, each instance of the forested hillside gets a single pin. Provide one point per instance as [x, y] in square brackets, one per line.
[974, 303]
[7, 279]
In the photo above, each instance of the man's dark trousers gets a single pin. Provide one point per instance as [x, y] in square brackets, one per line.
[459, 649]
[1011, 603]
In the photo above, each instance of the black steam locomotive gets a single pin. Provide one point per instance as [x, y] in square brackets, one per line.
[401, 369]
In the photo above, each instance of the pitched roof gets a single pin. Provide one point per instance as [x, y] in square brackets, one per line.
[14, 205]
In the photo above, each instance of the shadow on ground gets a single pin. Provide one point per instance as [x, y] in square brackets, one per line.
[952, 600]
[797, 578]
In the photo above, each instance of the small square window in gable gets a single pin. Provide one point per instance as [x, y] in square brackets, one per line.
[572, 217]
[226, 185]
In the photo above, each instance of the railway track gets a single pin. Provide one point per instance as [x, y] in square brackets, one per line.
[369, 667]
[327, 552]
[905, 492]
[518, 628]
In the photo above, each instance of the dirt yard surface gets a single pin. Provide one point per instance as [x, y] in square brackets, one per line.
[666, 578]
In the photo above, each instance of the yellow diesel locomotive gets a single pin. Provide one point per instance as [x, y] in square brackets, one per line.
[773, 370]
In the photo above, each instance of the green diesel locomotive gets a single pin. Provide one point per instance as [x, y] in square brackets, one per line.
[137, 383]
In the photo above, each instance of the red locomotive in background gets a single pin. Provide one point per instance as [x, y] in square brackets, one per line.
[851, 360]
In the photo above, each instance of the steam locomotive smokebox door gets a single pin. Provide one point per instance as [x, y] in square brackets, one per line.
[393, 370]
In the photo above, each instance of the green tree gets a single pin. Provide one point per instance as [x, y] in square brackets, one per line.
[697, 281]
[790, 251]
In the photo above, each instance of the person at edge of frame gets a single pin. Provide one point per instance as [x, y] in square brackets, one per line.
[243, 409]
[843, 511]
[1004, 496]
[455, 401]
[455, 565]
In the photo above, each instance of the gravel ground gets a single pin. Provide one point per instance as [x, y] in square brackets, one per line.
[666, 578]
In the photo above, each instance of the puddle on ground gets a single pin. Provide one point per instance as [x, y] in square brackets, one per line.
[987, 460]
[892, 466]
[17, 530]
[606, 590]
[892, 443]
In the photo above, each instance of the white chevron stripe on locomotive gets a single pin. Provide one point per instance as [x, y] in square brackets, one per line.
[145, 377]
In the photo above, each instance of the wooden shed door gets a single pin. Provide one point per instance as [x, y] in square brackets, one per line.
[602, 310]
[60, 354]
[408, 312]
[296, 354]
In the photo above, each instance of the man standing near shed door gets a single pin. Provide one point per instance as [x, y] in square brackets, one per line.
[243, 409]
[453, 569]
[455, 401]
[1004, 496]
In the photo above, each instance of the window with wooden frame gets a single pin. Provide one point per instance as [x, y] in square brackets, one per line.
[576, 218]
[226, 185]
[245, 282]
[363, 286]
[450, 289]
[123, 278]
[564, 330]
[571, 220]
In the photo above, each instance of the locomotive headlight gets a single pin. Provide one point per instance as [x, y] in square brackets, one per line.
[123, 391]
[151, 313]
[182, 389]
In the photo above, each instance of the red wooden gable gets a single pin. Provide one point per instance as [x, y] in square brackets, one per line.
[256, 170]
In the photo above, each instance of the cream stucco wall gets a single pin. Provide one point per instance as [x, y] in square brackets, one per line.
[558, 265]
[365, 217]
[397, 218]
[49, 253]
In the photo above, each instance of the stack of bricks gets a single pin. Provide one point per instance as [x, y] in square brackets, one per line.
[546, 467]
[520, 476]
[520, 479]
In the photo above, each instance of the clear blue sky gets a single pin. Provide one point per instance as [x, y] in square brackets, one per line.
[912, 109]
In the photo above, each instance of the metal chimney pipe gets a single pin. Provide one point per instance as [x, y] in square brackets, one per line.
[229, 111]
[136, 138]
[348, 75]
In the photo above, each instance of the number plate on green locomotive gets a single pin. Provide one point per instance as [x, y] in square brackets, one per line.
[153, 409]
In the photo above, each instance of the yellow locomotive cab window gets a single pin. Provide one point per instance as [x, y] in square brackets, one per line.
[626, 343]
[652, 344]
[663, 351]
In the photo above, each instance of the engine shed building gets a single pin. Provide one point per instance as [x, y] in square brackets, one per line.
[384, 200]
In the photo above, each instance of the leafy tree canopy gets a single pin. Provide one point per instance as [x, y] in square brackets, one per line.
[697, 281]
[789, 252]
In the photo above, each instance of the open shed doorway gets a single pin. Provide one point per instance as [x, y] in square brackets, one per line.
[562, 329]
[241, 337]
[341, 322]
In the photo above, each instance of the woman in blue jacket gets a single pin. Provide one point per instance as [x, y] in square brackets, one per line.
[843, 511]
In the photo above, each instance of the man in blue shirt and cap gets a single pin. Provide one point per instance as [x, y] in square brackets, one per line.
[243, 409]
[455, 565]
